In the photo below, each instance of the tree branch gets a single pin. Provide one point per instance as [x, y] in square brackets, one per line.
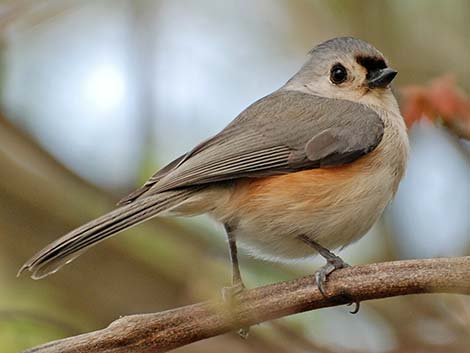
[160, 332]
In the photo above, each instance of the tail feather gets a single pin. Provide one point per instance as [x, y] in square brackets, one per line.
[73, 244]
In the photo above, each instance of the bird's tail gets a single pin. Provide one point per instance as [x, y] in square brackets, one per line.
[73, 244]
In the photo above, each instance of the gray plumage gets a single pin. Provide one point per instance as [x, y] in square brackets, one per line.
[70, 246]
[281, 133]
[288, 131]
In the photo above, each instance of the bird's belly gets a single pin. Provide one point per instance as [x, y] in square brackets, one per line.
[333, 206]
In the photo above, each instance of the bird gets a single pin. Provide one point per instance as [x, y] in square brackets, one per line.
[301, 172]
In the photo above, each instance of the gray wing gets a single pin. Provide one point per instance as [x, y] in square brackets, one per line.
[152, 181]
[284, 132]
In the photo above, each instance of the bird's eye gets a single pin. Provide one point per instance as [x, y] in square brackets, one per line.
[338, 74]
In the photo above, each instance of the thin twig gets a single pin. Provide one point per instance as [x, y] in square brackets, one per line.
[160, 332]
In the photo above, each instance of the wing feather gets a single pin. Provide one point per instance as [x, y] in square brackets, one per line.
[284, 132]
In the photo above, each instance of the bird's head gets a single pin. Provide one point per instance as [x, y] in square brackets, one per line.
[347, 68]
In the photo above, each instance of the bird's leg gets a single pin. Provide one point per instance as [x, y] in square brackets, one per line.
[333, 262]
[237, 286]
[230, 293]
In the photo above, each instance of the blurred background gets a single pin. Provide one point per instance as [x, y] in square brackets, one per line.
[97, 95]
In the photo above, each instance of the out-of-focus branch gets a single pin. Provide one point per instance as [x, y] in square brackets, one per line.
[160, 332]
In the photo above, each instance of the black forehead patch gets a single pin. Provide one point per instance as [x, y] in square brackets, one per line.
[371, 63]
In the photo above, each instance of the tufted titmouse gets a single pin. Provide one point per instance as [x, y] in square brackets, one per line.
[305, 169]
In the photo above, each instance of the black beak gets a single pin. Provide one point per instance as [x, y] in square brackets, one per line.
[381, 78]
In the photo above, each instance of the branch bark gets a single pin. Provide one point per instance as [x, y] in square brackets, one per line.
[160, 332]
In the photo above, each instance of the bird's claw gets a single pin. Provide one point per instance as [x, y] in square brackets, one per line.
[320, 279]
[244, 332]
[230, 293]
[357, 306]
[229, 296]
[333, 263]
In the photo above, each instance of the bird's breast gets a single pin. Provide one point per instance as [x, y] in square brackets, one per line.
[334, 206]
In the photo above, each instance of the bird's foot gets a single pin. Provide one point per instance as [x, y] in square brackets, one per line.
[230, 296]
[333, 263]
